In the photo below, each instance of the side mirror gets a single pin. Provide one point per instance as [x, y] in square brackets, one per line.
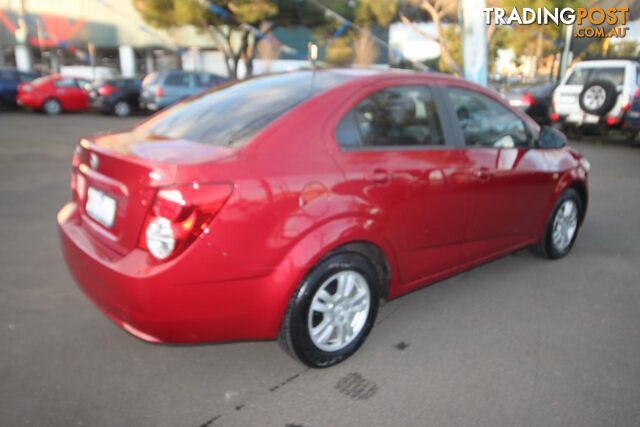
[551, 138]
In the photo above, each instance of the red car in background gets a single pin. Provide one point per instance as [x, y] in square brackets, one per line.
[54, 94]
[289, 205]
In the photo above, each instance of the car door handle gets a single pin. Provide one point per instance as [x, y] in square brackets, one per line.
[482, 174]
[378, 176]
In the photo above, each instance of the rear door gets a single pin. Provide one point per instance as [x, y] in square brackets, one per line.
[66, 91]
[391, 143]
[508, 184]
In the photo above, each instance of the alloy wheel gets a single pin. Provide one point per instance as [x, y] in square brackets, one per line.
[594, 97]
[565, 225]
[339, 310]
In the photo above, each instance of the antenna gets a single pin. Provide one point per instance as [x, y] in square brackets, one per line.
[312, 50]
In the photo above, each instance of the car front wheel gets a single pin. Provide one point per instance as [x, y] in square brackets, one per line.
[332, 311]
[562, 226]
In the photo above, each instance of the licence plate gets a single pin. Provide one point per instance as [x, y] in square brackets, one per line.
[101, 207]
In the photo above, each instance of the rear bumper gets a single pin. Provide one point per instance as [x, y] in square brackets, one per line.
[101, 104]
[29, 100]
[170, 303]
[589, 120]
[153, 103]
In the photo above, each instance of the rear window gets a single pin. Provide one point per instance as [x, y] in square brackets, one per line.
[583, 75]
[231, 115]
[41, 80]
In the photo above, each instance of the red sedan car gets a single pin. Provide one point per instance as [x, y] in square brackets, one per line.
[54, 94]
[288, 206]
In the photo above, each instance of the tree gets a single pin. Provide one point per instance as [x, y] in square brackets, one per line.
[438, 12]
[349, 43]
[536, 41]
[231, 25]
[365, 51]
[269, 49]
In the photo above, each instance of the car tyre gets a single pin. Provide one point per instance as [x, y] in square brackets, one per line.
[561, 230]
[598, 97]
[631, 135]
[122, 109]
[52, 107]
[332, 311]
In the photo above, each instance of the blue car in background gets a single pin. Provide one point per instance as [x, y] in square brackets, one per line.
[632, 120]
[9, 79]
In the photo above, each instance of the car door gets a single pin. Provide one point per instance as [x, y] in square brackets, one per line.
[509, 184]
[391, 144]
[66, 91]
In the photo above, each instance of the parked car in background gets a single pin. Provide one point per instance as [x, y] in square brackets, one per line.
[596, 94]
[289, 205]
[632, 122]
[534, 100]
[10, 78]
[119, 97]
[55, 94]
[161, 89]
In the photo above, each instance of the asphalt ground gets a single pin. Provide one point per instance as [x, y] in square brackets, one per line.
[520, 341]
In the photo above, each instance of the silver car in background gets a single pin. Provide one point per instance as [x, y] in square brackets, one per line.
[161, 89]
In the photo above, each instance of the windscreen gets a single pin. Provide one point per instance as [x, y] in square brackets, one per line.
[229, 116]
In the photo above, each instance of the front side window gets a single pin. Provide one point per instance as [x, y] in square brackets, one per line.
[485, 122]
[401, 116]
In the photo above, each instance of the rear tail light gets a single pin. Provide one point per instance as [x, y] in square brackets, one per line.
[179, 215]
[612, 121]
[626, 103]
[107, 90]
[159, 92]
[528, 99]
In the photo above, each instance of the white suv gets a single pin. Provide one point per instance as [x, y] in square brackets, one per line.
[595, 93]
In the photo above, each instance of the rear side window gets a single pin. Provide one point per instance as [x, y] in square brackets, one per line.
[485, 122]
[229, 116]
[402, 116]
[583, 75]
[178, 79]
